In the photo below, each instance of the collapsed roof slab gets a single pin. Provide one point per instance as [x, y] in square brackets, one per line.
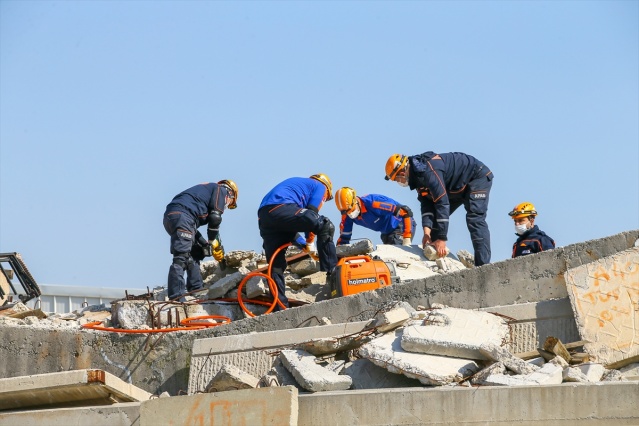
[67, 388]
[124, 414]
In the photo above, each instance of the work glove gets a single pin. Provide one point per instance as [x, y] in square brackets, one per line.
[406, 242]
[217, 250]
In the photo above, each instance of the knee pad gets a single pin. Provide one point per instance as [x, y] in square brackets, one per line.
[182, 260]
[326, 230]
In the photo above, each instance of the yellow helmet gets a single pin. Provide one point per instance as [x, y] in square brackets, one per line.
[395, 163]
[345, 200]
[523, 210]
[327, 183]
[232, 187]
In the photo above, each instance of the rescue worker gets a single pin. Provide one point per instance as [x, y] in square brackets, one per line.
[530, 239]
[291, 207]
[377, 212]
[443, 183]
[199, 205]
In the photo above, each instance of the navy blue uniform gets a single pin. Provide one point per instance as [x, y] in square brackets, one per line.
[443, 183]
[190, 209]
[290, 207]
[380, 213]
[532, 241]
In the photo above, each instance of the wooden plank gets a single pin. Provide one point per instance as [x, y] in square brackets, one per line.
[554, 345]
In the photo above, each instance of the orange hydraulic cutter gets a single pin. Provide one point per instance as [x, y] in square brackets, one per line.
[355, 274]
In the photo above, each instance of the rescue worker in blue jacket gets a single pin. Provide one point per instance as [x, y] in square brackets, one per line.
[199, 205]
[377, 212]
[443, 183]
[291, 207]
[530, 239]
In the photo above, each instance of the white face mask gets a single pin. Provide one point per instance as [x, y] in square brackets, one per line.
[355, 213]
[521, 229]
[403, 184]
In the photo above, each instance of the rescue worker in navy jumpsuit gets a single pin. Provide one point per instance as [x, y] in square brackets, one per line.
[199, 205]
[443, 183]
[393, 220]
[293, 206]
[530, 239]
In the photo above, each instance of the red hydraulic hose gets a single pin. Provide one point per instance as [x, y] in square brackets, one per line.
[271, 284]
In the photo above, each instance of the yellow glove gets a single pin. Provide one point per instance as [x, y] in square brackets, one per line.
[217, 250]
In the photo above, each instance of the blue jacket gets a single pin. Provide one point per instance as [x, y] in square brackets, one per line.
[379, 213]
[533, 241]
[438, 176]
[304, 192]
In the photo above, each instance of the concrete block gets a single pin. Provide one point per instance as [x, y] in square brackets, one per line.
[257, 286]
[314, 278]
[386, 351]
[448, 265]
[455, 332]
[243, 258]
[223, 285]
[278, 375]
[357, 248]
[572, 374]
[255, 407]
[497, 353]
[613, 376]
[312, 293]
[366, 375]
[304, 267]
[538, 361]
[231, 378]
[593, 371]
[332, 345]
[506, 380]
[311, 376]
[604, 295]
[393, 317]
[549, 374]
[466, 258]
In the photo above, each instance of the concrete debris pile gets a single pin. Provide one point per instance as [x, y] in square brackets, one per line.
[442, 346]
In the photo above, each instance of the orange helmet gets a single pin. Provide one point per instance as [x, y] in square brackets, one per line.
[327, 183]
[232, 188]
[346, 200]
[523, 210]
[394, 165]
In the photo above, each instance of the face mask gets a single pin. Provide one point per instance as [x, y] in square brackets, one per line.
[521, 229]
[403, 184]
[354, 213]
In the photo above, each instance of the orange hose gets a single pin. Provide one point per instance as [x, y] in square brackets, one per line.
[192, 321]
[94, 326]
[271, 284]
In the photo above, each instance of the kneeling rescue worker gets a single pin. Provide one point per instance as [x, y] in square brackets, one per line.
[377, 212]
[530, 239]
[199, 205]
[293, 206]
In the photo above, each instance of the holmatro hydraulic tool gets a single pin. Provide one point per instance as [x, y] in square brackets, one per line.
[355, 274]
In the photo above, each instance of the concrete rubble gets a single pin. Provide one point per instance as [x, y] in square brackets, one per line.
[566, 318]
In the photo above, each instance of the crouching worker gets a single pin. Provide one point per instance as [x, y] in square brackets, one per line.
[190, 209]
[293, 206]
[394, 221]
[530, 238]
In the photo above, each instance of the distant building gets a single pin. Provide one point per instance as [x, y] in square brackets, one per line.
[65, 298]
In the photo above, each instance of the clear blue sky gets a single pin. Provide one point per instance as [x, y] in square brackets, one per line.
[108, 109]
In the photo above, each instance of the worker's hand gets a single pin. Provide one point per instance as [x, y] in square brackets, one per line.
[406, 242]
[308, 248]
[440, 246]
[425, 240]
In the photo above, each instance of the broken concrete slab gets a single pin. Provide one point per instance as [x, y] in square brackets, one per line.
[231, 378]
[604, 295]
[304, 267]
[249, 352]
[572, 374]
[497, 368]
[386, 351]
[366, 375]
[223, 285]
[311, 376]
[255, 407]
[455, 332]
[357, 248]
[630, 372]
[67, 388]
[409, 261]
[549, 374]
[593, 371]
[396, 315]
